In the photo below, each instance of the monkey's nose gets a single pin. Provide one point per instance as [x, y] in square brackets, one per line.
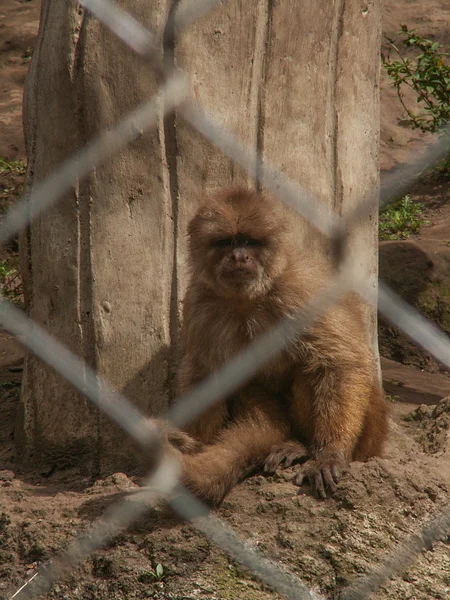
[239, 255]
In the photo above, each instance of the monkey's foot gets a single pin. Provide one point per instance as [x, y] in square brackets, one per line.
[322, 473]
[179, 439]
[284, 455]
[184, 442]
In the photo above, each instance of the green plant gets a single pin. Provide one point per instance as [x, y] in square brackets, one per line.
[427, 73]
[10, 281]
[399, 219]
[11, 179]
[26, 56]
[157, 575]
[12, 166]
[391, 398]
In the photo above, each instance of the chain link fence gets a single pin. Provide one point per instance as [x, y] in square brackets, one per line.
[164, 478]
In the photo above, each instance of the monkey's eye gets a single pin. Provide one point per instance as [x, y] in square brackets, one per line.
[224, 243]
[250, 242]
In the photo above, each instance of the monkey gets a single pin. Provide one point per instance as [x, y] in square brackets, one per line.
[319, 402]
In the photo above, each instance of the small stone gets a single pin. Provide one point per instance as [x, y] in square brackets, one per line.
[106, 306]
[7, 475]
[120, 480]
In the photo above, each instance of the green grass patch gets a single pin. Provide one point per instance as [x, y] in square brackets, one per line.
[12, 166]
[399, 219]
[12, 174]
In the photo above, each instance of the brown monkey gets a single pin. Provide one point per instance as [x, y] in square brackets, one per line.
[322, 391]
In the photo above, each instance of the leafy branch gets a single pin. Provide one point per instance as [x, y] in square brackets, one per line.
[427, 74]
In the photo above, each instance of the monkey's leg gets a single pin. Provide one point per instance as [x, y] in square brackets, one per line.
[171, 436]
[200, 432]
[184, 442]
[239, 450]
[332, 423]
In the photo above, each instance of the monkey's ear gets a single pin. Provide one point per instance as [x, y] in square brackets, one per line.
[195, 225]
[192, 226]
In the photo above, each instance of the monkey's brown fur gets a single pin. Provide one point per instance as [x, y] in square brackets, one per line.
[322, 391]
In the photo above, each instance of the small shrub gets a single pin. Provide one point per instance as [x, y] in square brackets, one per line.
[427, 73]
[11, 181]
[12, 166]
[10, 281]
[400, 219]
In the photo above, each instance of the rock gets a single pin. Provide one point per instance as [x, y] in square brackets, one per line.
[7, 475]
[120, 480]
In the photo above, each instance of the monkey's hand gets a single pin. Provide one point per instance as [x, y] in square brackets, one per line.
[285, 455]
[322, 472]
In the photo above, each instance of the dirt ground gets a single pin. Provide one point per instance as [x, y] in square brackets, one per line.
[326, 544]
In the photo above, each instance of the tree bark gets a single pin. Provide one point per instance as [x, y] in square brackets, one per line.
[106, 267]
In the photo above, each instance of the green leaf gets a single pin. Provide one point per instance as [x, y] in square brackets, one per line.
[159, 570]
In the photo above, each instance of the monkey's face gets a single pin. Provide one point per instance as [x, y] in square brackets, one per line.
[237, 263]
[237, 244]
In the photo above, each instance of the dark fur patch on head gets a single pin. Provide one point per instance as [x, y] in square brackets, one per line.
[237, 212]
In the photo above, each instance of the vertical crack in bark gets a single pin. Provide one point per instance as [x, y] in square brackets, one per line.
[75, 70]
[30, 124]
[171, 152]
[263, 34]
[85, 301]
[333, 117]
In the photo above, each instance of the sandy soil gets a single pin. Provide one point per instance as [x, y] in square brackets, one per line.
[327, 544]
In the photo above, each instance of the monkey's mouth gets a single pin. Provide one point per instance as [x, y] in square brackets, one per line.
[239, 275]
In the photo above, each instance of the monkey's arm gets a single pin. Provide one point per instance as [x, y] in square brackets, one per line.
[239, 449]
[339, 377]
[338, 410]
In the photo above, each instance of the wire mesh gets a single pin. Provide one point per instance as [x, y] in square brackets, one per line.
[164, 478]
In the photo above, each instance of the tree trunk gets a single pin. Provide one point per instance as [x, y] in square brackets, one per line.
[105, 268]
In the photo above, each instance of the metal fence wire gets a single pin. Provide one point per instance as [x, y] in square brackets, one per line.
[164, 478]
